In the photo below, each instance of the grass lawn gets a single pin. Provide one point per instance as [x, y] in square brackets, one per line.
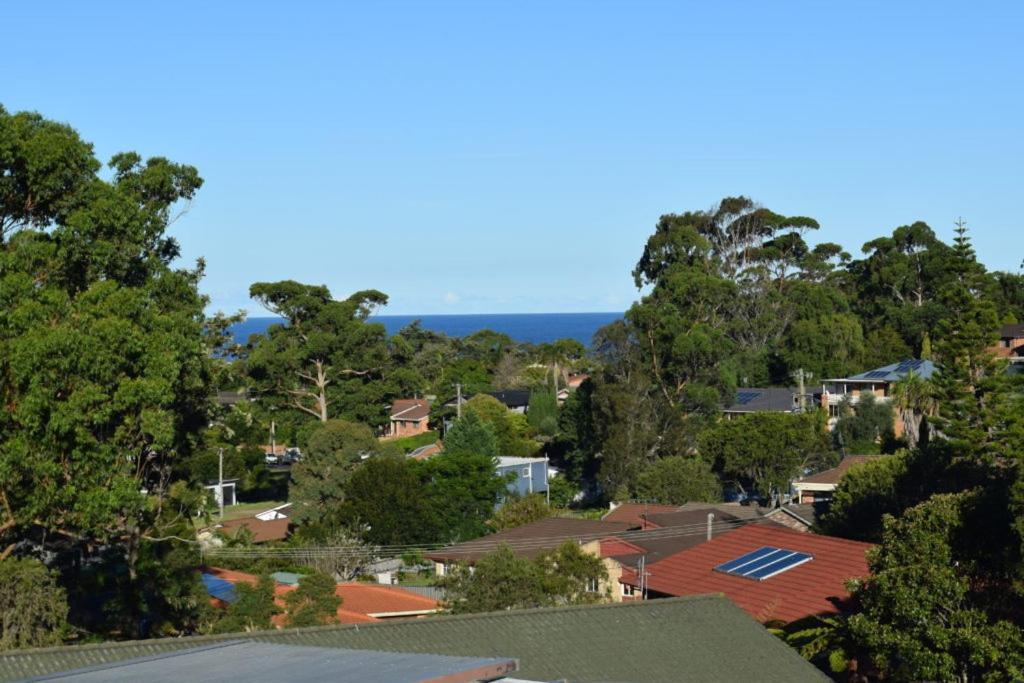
[411, 443]
[248, 509]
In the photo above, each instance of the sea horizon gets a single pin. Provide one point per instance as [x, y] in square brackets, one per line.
[532, 328]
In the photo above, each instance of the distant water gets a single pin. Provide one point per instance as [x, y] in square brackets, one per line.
[534, 328]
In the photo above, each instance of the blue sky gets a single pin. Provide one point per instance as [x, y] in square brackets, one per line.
[514, 156]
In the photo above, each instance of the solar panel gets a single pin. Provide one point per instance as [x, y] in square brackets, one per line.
[218, 588]
[745, 397]
[764, 563]
[909, 365]
[876, 374]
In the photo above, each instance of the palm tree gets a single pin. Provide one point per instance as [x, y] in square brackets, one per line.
[914, 399]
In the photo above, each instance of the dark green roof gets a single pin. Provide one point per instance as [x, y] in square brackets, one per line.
[697, 638]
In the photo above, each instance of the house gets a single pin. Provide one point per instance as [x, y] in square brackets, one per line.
[763, 399]
[773, 574]
[818, 488]
[360, 602]
[409, 417]
[877, 382]
[516, 400]
[1011, 343]
[528, 540]
[575, 379]
[528, 475]
[700, 638]
[797, 516]
[232, 397]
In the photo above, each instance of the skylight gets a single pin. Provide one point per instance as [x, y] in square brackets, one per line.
[764, 563]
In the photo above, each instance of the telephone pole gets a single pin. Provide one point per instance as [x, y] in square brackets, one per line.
[220, 481]
[458, 400]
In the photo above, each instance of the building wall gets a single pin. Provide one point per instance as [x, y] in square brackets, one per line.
[400, 428]
[524, 485]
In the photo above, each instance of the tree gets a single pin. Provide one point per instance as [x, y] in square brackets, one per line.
[925, 615]
[106, 370]
[313, 603]
[471, 434]
[677, 480]
[33, 607]
[320, 360]
[864, 426]
[572, 576]
[767, 450]
[463, 489]
[319, 479]
[510, 428]
[252, 610]
[387, 502]
[500, 580]
[520, 511]
[542, 413]
[914, 400]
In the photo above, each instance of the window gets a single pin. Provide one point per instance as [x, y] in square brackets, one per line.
[526, 472]
[628, 591]
[591, 586]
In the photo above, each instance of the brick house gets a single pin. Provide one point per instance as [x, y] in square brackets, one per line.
[409, 417]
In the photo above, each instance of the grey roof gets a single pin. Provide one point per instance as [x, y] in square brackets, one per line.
[529, 540]
[763, 399]
[894, 372]
[255, 662]
[698, 638]
[1011, 331]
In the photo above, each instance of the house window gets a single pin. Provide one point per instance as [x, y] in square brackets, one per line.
[526, 472]
[591, 586]
[628, 591]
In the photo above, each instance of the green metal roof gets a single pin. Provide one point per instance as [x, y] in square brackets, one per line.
[697, 638]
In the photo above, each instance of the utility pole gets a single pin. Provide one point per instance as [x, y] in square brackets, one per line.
[458, 400]
[220, 481]
[802, 376]
[273, 444]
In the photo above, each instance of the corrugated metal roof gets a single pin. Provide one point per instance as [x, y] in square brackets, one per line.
[705, 638]
[258, 662]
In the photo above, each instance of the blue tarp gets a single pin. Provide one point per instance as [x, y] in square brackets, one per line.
[219, 588]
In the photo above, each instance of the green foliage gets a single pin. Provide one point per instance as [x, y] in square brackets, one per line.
[864, 426]
[33, 605]
[322, 361]
[386, 502]
[319, 479]
[410, 443]
[107, 368]
[542, 413]
[252, 609]
[471, 434]
[502, 580]
[510, 428]
[864, 495]
[925, 616]
[313, 602]
[520, 511]
[561, 491]
[767, 450]
[678, 480]
[463, 489]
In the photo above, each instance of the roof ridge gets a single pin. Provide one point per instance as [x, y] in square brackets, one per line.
[390, 590]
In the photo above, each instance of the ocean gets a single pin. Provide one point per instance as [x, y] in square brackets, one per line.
[534, 328]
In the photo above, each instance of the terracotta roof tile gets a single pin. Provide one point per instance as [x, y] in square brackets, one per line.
[262, 531]
[410, 409]
[816, 587]
[634, 512]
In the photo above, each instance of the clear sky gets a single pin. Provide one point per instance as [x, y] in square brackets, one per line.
[513, 156]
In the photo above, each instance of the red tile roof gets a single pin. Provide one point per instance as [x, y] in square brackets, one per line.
[634, 513]
[833, 475]
[361, 602]
[410, 409]
[809, 589]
